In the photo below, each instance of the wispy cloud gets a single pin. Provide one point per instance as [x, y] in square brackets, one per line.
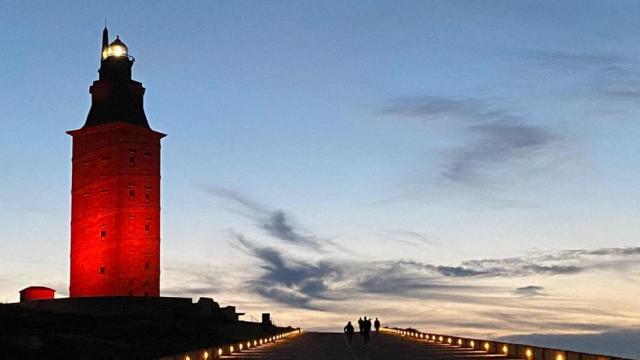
[498, 139]
[495, 147]
[276, 223]
[608, 77]
[293, 282]
[568, 60]
[531, 290]
[301, 283]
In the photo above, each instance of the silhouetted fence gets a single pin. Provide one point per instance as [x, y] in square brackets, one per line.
[510, 350]
[215, 352]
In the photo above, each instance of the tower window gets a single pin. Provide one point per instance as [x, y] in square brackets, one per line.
[146, 267]
[130, 292]
[132, 194]
[132, 158]
[103, 234]
[147, 196]
[102, 270]
[132, 224]
[147, 228]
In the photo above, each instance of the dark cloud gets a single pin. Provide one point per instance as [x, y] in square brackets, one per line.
[275, 223]
[498, 139]
[302, 283]
[619, 342]
[437, 108]
[289, 281]
[607, 77]
[495, 146]
[529, 291]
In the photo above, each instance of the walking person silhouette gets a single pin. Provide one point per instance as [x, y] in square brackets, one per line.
[360, 326]
[366, 324]
[376, 324]
[348, 331]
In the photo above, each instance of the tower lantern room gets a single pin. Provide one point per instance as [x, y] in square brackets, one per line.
[115, 187]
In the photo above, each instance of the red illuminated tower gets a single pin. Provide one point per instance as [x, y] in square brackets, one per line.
[115, 190]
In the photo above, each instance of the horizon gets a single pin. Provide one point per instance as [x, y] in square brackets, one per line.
[461, 167]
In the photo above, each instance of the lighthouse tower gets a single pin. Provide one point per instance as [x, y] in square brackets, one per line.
[115, 190]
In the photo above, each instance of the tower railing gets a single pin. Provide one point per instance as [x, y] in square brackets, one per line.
[509, 350]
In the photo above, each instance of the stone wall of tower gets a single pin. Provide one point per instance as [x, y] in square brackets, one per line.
[115, 211]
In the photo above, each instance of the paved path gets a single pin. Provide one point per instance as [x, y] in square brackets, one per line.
[312, 346]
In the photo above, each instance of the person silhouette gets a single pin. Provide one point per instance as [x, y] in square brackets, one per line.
[366, 324]
[376, 324]
[348, 331]
[360, 326]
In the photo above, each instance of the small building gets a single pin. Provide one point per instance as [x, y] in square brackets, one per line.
[36, 293]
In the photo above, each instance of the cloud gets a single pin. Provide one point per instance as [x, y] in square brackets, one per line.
[495, 147]
[567, 60]
[439, 108]
[306, 283]
[293, 282]
[531, 290]
[180, 279]
[276, 223]
[497, 139]
[413, 238]
[609, 77]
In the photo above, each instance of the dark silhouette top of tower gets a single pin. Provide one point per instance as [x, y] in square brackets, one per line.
[115, 96]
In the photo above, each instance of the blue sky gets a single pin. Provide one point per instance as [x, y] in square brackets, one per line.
[416, 155]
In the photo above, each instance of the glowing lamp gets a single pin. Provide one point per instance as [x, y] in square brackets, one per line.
[449, 340]
[117, 49]
[248, 344]
[459, 342]
[231, 349]
[505, 349]
[219, 352]
[205, 355]
[187, 357]
[486, 346]
[472, 343]
[528, 353]
[440, 339]
[240, 347]
[559, 357]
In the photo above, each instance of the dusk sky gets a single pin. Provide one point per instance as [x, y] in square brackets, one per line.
[465, 167]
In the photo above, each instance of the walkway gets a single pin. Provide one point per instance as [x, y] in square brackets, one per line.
[312, 346]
